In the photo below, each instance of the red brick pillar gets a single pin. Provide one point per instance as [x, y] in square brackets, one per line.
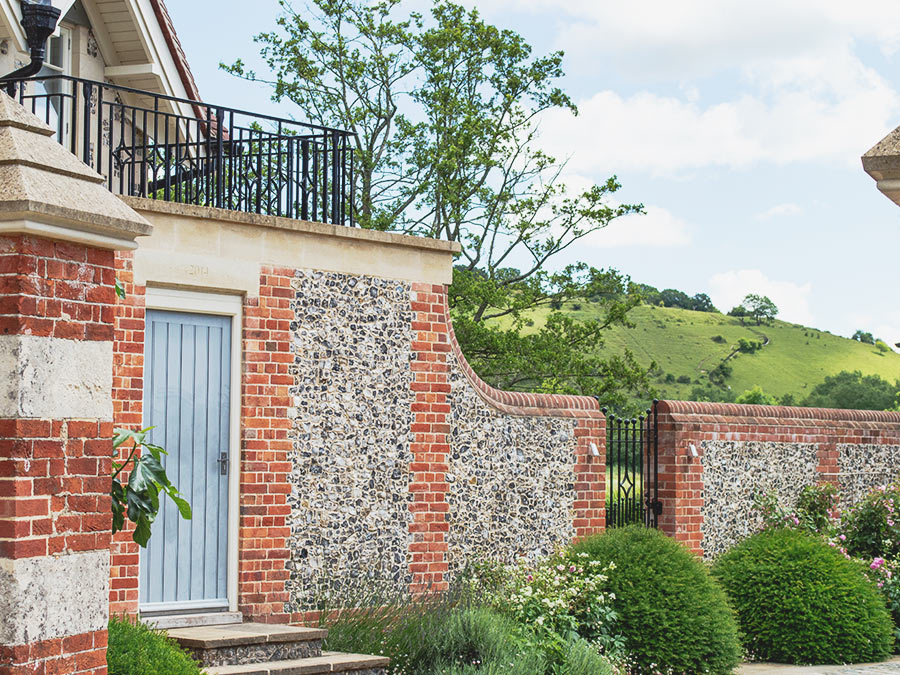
[430, 443]
[58, 231]
[680, 480]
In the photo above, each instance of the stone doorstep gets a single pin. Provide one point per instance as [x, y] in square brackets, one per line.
[329, 662]
[241, 634]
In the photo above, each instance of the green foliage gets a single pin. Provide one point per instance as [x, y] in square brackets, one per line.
[755, 396]
[872, 527]
[477, 641]
[885, 574]
[563, 599]
[799, 600]
[673, 616]
[720, 374]
[814, 511]
[710, 393]
[683, 379]
[582, 659]
[760, 308]
[445, 111]
[882, 346]
[561, 354]
[138, 499]
[444, 633]
[853, 390]
[136, 649]
[718, 339]
[864, 337]
[749, 346]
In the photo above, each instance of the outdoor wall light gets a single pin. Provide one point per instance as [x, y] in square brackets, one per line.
[594, 451]
[39, 19]
[693, 450]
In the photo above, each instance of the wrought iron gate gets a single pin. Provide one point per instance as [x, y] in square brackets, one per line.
[632, 466]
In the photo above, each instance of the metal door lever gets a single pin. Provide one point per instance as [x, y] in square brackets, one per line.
[223, 463]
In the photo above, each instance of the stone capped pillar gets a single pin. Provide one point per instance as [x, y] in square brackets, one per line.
[59, 229]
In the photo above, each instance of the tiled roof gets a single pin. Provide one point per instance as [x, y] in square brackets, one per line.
[177, 51]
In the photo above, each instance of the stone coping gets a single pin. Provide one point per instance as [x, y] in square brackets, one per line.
[290, 224]
[232, 635]
[771, 412]
[521, 403]
[329, 662]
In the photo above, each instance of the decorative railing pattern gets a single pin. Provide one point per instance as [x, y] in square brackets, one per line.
[162, 147]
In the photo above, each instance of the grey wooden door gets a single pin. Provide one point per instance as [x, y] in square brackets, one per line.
[187, 390]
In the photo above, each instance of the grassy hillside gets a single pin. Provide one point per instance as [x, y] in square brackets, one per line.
[794, 360]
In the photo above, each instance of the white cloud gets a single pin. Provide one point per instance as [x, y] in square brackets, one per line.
[790, 84]
[694, 37]
[667, 135]
[728, 289]
[780, 211]
[657, 228]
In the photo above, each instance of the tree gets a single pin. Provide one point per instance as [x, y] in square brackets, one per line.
[760, 308]
[864, 337]
[739, 312]
[701, 302]
[445, 111]
[756, 396]
[853, 390]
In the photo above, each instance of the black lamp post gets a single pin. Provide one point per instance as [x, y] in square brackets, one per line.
[39, 19]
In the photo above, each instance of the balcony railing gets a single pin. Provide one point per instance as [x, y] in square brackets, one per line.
[178, 150]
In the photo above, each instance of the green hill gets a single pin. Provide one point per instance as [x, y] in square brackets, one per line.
[687, 345]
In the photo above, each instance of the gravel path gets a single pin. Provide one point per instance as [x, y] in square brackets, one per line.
[892, 666]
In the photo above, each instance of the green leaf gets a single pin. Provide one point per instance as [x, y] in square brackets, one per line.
[142, 532]
[120, 291]
[183, 507]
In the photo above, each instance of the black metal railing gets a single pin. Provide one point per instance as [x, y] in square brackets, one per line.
[178, 150]
[632, 468]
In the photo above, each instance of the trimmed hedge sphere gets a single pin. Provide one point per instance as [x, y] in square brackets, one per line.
[673, 615]
[799, 600]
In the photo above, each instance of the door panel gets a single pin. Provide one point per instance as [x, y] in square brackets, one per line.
[187, 392]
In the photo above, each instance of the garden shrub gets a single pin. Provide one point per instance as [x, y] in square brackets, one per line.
[799, 600]
[443, 633]
[562, 599]
[672, 614]
[872, 527]
[137, 649]
[479, 642]
[581, 658]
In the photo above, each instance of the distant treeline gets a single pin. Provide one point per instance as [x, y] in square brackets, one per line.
[671, 297]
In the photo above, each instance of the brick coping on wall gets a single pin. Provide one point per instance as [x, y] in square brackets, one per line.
[762, 412]
[522, 403]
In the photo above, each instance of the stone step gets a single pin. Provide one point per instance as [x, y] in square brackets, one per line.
[249, 643]
[328, 662]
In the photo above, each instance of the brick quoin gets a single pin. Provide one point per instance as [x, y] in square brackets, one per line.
[681, 486]
[433, 342]
[128, 403]
[265, 464]
[55, 289]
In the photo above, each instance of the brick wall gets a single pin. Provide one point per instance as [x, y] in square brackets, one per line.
[269, 416]
[263, 550]
[768, 447]
[128, 408]
[56, 308]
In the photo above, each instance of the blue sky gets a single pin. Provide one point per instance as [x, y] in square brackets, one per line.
[739, 125]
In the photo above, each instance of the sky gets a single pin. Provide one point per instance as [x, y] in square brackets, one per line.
[738, 125]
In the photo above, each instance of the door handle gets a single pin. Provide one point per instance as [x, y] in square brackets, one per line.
[223, 464]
